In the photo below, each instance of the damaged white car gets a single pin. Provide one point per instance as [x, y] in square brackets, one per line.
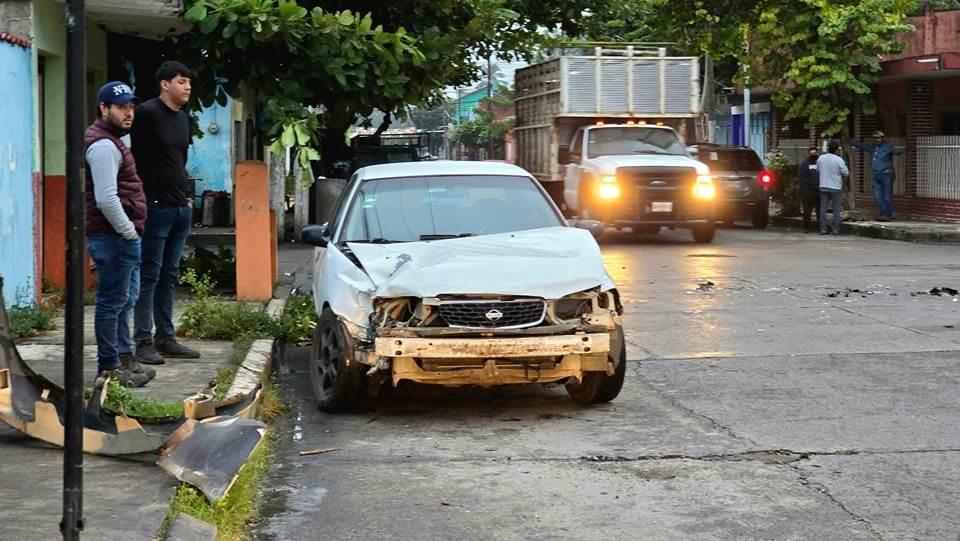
[459, 273]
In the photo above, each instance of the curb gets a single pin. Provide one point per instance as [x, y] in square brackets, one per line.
[881, 231]
[258, 361]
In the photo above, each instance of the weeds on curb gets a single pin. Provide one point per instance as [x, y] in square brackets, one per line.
[121, 400]
[27, 321]
[235, 510]
[238, 508]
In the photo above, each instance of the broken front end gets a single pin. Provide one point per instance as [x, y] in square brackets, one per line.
[473, 340]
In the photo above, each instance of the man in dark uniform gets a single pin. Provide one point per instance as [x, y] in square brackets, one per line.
[160, 140]
[809, 180]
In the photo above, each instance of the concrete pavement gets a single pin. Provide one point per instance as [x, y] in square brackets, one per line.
[125, 498]
[905, 230]
[781, 385]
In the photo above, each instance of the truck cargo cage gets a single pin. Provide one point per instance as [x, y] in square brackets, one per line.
[634, 80]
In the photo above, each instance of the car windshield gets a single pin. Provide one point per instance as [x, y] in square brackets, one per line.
[633, 140]
[434, 208]
[730, 159]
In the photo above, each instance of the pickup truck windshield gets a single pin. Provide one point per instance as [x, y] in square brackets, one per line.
[442, 207]
[619, 141]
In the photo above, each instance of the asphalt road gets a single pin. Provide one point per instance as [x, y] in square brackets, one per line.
[764, 400]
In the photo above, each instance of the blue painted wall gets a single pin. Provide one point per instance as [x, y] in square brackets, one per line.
[209, 157]
[16, 176]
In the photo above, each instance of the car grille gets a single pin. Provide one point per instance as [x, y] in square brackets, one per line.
[493, 314]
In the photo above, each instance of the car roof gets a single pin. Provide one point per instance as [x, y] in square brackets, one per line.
[435, 168]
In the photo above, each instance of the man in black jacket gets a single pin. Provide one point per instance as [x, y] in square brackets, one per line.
[161, 136]
[809, 180]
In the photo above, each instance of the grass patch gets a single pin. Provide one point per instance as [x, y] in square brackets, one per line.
[121, 400]
[299, 319]
[233, 512]
[224, 379]
[210, 317]
[238, 508]
[27, 321]
[271, 405]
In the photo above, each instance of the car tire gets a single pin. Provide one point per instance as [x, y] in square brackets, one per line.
[598, 387]
[703, 233]
[761, 216]
[339, 382]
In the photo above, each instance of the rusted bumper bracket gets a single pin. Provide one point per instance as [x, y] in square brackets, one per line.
[495, 361]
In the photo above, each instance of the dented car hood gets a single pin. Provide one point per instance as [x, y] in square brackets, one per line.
[549, 263]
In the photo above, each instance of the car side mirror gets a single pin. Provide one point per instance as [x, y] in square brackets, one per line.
[316, 235]
[593, 226]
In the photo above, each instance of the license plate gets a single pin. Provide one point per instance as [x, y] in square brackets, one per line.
[661, 206]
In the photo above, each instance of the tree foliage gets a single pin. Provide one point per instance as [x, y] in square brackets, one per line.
[350, 57]
[486, 126]
[818, 56]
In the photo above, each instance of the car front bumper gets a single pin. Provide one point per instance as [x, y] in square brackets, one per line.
[495, 361]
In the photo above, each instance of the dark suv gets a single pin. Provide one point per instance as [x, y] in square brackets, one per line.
[742, 182]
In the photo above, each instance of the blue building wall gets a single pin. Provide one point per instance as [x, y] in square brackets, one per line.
[209, 158]
[16, 176]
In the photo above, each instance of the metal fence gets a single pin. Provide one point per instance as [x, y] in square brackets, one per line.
[938, 164]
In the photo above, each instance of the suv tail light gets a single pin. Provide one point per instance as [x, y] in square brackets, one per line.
[766, 179]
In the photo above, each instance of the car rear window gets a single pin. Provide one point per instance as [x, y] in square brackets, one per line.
[730, 159]
[409, 209]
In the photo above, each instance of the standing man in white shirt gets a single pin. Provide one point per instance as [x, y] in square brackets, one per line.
[831, 169]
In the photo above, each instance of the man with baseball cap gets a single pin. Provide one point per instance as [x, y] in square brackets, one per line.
[882, 154]
[116, 210]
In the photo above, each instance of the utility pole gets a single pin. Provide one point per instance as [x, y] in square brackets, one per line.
[746, 87]
[72, 523]
[490, 104]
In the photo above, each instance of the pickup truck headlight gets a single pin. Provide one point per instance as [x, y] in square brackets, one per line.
[608, 188]
[704, 187]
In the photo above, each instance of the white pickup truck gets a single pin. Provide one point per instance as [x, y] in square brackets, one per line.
[638, 176]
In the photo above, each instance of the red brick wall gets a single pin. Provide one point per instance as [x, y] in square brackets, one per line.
[914, 208]
[919, 124]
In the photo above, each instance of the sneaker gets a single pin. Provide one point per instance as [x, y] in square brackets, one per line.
[883, 219]
[125, 377]
[148, 354]
[129, 362]
[171, 348]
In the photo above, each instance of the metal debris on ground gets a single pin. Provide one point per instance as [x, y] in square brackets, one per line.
[35, 406]
[863, 293]
[705, 285]
[208, 454]
[937, 292]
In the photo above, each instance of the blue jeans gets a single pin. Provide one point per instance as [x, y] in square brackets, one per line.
[118, 271]
[883, 191]
[831, 198]
[164, 235]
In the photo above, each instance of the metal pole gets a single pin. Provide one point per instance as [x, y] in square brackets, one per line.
[72, 523]
[490, 104]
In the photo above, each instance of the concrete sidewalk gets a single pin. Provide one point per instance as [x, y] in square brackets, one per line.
[124, 498]
[904, 230]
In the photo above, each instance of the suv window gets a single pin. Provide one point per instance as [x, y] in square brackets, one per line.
[732, 159]
[421, 208]
[633, 140]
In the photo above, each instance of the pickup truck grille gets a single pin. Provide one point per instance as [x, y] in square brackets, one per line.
[658, 192]
[658, 179]
[493, 314]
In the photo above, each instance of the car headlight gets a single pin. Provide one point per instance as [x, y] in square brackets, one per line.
[608, 188]
[704, 188]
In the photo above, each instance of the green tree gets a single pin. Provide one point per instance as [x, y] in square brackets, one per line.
[350, 57]
[487, 127]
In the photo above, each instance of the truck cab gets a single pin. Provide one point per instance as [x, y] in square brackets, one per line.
[640, 176]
